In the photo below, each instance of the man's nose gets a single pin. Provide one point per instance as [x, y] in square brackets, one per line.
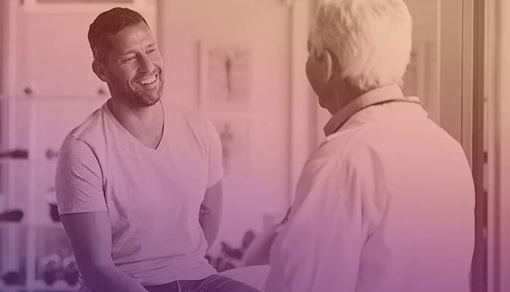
[146, 64]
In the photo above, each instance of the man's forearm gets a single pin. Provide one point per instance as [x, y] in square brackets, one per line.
[211, 212]
[109, 279]
[210, 222]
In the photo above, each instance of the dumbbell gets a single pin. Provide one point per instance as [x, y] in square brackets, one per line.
[50, 265]
[11, 278]
[70, 269]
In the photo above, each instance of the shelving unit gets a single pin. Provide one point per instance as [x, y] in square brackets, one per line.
[25, 243]
[47, 89]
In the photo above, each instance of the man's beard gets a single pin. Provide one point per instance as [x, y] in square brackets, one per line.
[136, 97]
[142, 99]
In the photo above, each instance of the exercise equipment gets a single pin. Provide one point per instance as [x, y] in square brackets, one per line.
[50, 266]
[14, 215]
[12, 278]
[70, 270]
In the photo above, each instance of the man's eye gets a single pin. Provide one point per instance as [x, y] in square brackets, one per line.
[128, 59]
[152, 51]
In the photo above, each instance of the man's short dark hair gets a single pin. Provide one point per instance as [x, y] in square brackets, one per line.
[107, 23]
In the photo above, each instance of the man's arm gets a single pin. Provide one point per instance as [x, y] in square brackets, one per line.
[90, 237]
[83, 212]
[212, 205]
[211, 212]
[258, 253]
[319, 247]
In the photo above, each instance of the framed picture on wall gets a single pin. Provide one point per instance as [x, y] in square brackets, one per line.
[225, 76]
[234, 135]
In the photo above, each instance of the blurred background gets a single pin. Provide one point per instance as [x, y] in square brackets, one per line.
[242, 64]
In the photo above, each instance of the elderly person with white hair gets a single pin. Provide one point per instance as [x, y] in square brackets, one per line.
[386, 203]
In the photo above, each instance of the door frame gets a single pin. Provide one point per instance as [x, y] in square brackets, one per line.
[498, 89]
[462, 91]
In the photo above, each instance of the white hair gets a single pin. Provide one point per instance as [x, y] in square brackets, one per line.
[371, 39]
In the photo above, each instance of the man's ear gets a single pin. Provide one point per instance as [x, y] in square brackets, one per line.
[327, 65]
[99, 70]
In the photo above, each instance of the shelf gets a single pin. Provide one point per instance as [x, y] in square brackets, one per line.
[59, 285]
[30, 225]
[14, 288]
[27, 161]
[37, 111]
[39, 285]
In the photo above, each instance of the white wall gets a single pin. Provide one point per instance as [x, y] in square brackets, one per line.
[265, 25]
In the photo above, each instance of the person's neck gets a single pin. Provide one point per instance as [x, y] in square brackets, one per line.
[342, 97]
[145, 123]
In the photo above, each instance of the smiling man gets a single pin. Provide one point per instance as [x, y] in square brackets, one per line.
[138, 183]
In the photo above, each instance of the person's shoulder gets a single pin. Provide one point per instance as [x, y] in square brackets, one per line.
[88, 131]
[344, 154]
[338, 147]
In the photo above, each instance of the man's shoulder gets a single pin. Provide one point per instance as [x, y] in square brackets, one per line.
[88, 132]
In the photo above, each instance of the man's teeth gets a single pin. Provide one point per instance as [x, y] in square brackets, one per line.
[148, 80]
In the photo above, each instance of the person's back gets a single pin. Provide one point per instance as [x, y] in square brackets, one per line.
[386, 204]
[418, 204]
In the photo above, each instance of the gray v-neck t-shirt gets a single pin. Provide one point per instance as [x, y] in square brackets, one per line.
[152, 195]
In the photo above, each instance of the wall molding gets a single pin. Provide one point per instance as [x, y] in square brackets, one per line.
[498, 145]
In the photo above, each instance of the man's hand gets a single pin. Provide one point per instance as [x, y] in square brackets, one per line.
[211, 211]
[205, 213]
[90, 237]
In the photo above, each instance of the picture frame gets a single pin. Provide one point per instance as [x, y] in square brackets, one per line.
[225, 76]
[234, 133]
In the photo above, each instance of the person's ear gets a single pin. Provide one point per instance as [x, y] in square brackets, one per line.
[100, 70]
[327, 66]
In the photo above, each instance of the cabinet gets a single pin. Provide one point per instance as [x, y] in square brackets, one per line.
[51, 89]
[54, 56]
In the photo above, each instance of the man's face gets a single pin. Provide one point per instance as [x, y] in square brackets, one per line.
[134, 66]
[311, 74]
[315, 74]
[329, 87]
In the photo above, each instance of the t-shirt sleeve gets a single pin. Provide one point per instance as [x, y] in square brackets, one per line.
[78, 179]
[215, 155]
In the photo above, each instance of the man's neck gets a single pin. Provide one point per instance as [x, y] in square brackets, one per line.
[342, 98]
[144, 123]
